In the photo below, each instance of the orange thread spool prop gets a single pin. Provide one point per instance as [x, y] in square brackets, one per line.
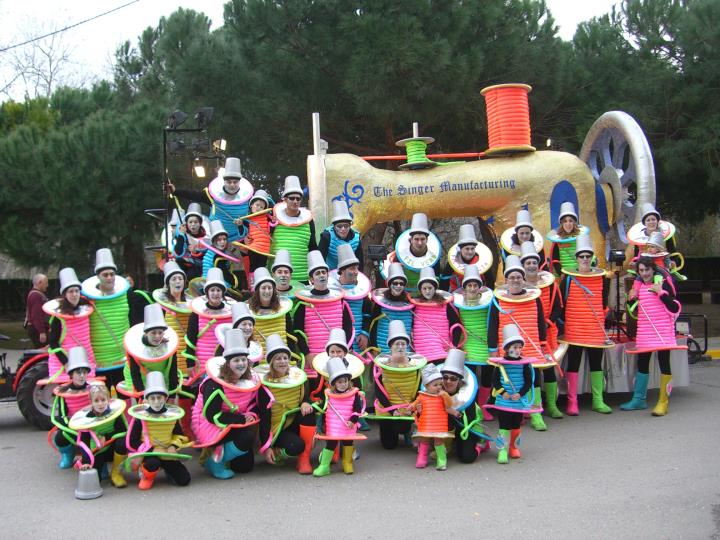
[508, 116]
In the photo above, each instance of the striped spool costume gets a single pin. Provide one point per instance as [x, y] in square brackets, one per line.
[75, 333]
[227, 208]
[474, 319]
[268, 322]
[483, 259]
[523, 312]
[584, 310]
[332, 258]
[398, 384]
[207, 319]
[65, 404]
[431, 332]
[176, 317]
[242, 395]
[355, 296]
[108, 322]
[149, 358]
[655, 323]
[322, 313]
[433, 421]
[390, 310]
[548, 294]
[293, 234]
[286, 396]
[512, 379]
[339, 409]
[566, 248]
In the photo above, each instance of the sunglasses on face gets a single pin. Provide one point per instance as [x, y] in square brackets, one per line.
[342, 225]
[451, 378]
[294, 199]
[584, 256]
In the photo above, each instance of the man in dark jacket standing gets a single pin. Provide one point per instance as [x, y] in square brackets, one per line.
[36, 320]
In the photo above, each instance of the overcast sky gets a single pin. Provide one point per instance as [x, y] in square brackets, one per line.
[92, 45]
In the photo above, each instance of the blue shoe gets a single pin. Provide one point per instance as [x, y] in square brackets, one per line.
[230, 451]
[638, 401]
[103, 472]
[363, 424]
[67, 456]
[218, 470]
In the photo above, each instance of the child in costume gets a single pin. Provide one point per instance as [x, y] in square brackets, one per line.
[101, 430]
[225, 412]
[344, 404]
[513, 378]
[258, 239]
[69, 325]
[70, 398]
[218, 255]
[432, 407]
[175, 298]
[513, 238]
[656, 309]
[188, 249]
[245, 321]
[287, 421]
[467, 252]
[155, 435]
[270, 309]
[340, 233]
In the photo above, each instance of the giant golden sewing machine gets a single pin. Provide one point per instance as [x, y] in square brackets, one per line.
[615, 160]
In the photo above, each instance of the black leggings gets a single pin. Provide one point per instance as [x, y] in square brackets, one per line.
[509, 420]
[112, 377]
[465, 449]
[391, 429]
[484, 375]
[548, 375]
[594, 354]
[289, 439]
[643, 363]
[332, 445]
[174, 469]
[243, 439]
[255, 260]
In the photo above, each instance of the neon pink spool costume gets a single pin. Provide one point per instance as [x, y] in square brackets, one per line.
[339, 410]
[75, 333]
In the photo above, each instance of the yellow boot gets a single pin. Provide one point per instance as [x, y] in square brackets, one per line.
[661, 408]
[347, 459]
[116, 476]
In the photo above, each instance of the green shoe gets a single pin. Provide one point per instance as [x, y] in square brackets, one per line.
[323, 469]
[597, 383]
[536, 419]
[551, 393]
[441, 463]
[504, 439]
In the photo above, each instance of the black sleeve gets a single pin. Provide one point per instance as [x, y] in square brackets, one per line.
[173, 380]
[298, 325]
[380, 395]
[179, 247]
[137, 300]
[324, 245]
[669, 299]
[347, 321]
[312, 243]
[136, 375]
[264, 414]
[445, 277]
[54, 339]
[356, 408]
[224, 265]
[212, 405]
[489, 278]
[496, 382]
[191, 334]
[555, 259]
[454, 318]
[542, 325]
[527, 377]
[606, 292]
[359, 252]
[136, 434]
[556, 305]
[564, 285]
[371, 310]
[493, 324]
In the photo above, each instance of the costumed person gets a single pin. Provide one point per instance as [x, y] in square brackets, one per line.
[356, 288]
[551, 303]
[270, 310]
[432, 407]
[245, 321]
[70, 398]
[101, 429]
[287, 420]
[584, 295]
[415, 248]
[258, 239]
[188, 250]
[512, 239]
[319, 309]
[218, 255]
[650, 222]
[295, 229]
[434, 318]
[282, 272]
[656, 249]
[175, 299]
[207, 311]
[387, 304]
[344, 405]
[340, 233]
[155, 436]
[473, 303]
[656, 308]
[512, 380]
[519, 303]
[562, 250]
[151, 346]
[467, 252]
[461, 385]
[69, 326]
[397, 381]
[111, 318]
[225, 413]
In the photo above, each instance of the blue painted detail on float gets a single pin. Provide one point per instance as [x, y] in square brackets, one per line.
[562, 192]
[601, 204]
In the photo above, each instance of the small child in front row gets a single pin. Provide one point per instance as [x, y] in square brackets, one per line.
[512, 380]
[432, 407]
[344, 404]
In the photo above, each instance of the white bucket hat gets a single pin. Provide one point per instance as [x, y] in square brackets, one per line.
[511, 334]
[528, 251]
[455, 363]
[241, 312]
[155, 384]
[419, 224]
[583, 243]
[346, 256]
[282, 258]
[68, 278]
[337, 337]
[336, 368]
[467, 235]
[292, 185]
[523, 219]
[235, 343]
[430, 373]
[315, 261]
[232, 168]
[103, 260]
[512, 264]
[396, 330]
[471, 274]
[215, 277]
[153, 317]
[567, 209]
[77, 358]
[216, 228]
[341, 212]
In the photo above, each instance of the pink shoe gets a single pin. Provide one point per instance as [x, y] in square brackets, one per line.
[422, 456]
[482, 397]
[572, 403]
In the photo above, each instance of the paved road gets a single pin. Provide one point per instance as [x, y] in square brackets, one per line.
[627, 475]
